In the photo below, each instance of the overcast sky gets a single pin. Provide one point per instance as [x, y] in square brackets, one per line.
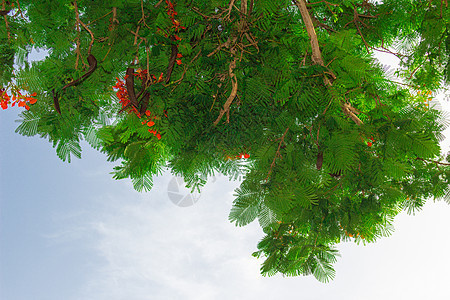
[69, 231]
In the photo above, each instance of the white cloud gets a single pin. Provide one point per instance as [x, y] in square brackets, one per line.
[152, 249]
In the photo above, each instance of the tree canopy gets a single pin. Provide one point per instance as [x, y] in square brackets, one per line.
[287, 94]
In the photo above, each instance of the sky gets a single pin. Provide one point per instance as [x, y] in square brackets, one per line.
[69, 231]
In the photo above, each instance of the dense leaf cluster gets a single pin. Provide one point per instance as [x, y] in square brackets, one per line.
[337, 146]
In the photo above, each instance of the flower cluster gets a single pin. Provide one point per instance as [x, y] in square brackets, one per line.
[143, 75]
[241, 155]
[19, 99]
[122, 94]
[151, 123]
[176, 26]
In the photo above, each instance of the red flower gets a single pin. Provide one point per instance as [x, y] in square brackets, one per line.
[369, 144]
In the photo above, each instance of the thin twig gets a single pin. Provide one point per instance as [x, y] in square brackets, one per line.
[19, 10]
[230, 7]
[6, 20]
[77, 15]
[414, 71]
[93, 21]
[277, 154]
[433, 161]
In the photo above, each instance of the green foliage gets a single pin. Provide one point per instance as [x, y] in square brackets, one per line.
[317, 174]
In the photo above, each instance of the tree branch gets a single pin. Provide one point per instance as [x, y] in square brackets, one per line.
[4, 13]
[77, 15]
[433, 161]
[277, 154]
[317, 56]
[226, 106]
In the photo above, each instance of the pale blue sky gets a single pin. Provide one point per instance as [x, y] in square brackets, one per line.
[69, 231]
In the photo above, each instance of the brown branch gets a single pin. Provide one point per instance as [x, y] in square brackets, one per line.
[99, 18]
[196, 10]
[226, 45]
[244, 7]
[433, 161]
[178, 81]
[4, 13]
[77, 15]
[226, 106]
[323, 1]
[114, 18]
[355, 17]
[317, 56]
[351, 112]
[19, 10]
[414, 71]
[92, 36]
[277, 154]
[324, 26]
[230, 7]
[159, 3]
[250, 8]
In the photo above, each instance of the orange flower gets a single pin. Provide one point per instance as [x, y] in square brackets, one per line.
[31, 100]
